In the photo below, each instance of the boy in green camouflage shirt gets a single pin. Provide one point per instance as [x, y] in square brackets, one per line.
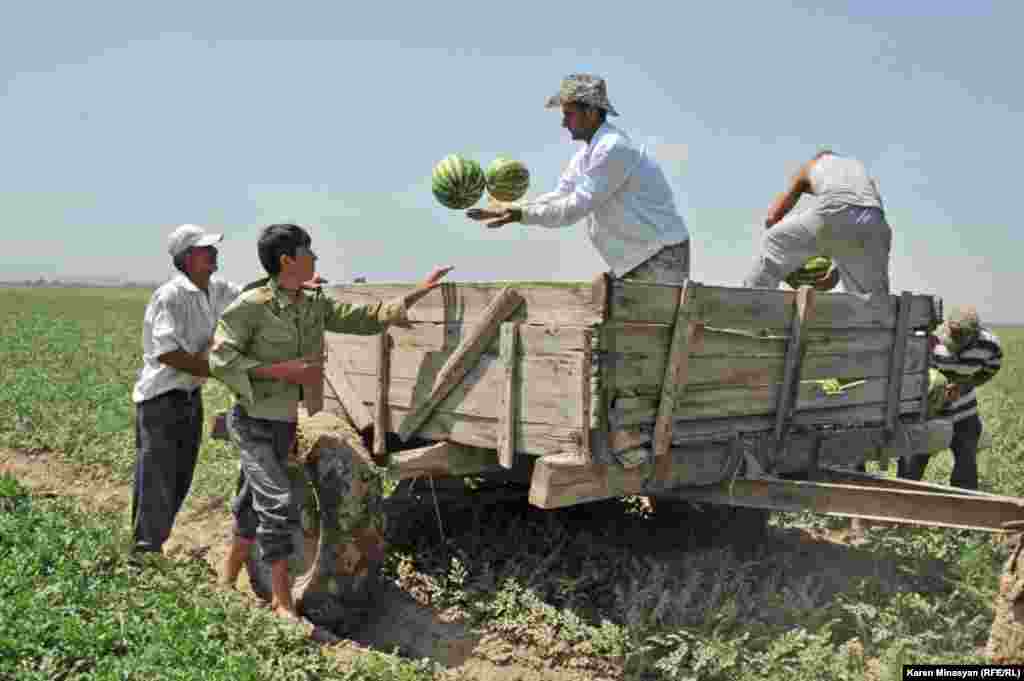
[267, 349]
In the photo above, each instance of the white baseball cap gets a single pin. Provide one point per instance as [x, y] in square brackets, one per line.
[190, 236]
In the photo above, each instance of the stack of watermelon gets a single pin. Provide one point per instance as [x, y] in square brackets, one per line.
[458, 182]
[810, 272]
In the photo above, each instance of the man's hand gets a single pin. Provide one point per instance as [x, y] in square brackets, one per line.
[295, 371]
[316, 282]
[433, 279]
[495, 218]
[952, 392]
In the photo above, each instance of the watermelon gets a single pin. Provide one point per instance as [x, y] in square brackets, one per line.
[507, 180]
[810, 272]
[457, 182]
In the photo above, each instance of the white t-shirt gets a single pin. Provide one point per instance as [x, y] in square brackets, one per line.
[841, 182]
[179, 316]
[624, 195]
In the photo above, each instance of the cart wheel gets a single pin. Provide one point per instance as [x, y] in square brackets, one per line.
[334, 569]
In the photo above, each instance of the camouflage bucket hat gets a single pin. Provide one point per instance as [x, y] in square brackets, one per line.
[960, 328]
[585, 89]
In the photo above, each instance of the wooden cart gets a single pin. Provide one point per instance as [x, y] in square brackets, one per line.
[609, 388]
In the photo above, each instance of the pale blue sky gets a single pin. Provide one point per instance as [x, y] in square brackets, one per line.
[119, 121]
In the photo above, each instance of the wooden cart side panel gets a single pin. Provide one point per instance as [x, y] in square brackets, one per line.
[547, 389]
[577, 303]
[538, 439]
[729, 307]
[642, 371]
[717, 402]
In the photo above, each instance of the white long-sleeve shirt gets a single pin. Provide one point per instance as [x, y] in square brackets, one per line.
[624, 195]
[179, 317]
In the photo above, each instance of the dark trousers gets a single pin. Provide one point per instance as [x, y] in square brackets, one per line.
[263, 506]
[966, 433]
[168, 432]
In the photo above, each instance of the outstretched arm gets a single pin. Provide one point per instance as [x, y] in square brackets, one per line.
[785, 201]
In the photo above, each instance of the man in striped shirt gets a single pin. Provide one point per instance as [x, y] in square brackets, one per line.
[967, 355]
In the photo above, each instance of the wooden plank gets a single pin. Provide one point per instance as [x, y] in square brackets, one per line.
[422, 337]
[563, 480]
[538, 439]
[949, 509]
[545, 302]
[507, 412]
[640, 372]
[443, 459]
[459, 364]
[899, 354]
[337, 379]
[741, 308]
[928, 438]
[585, 397]
[794, 355]
[676, 376]
[700, 402]
[380, 431]
[551, 392]
[651, 339]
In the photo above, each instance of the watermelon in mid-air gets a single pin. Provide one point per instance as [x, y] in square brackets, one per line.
[457, 182]
[507, 180]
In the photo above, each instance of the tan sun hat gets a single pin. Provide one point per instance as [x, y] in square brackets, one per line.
[584, 88]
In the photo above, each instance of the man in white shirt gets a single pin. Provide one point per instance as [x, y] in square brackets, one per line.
[631, 215]
[177, 330]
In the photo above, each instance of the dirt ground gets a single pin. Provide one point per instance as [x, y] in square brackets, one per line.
[398, 621]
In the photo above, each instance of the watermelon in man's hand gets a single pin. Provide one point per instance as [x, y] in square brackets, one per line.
[507, 179]
[811, 273]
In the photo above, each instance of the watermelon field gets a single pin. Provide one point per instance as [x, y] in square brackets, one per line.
[506, 591]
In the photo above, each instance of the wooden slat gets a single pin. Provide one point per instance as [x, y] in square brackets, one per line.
[534, 339]
[742, 308]
[701, 403]
[459, 364]
[652, 339]
[443, 459]
[642, 373]
[382, 426]
[899, 355]
[949, 509]
[586, 424]
[794, 356]
[538, 439]
[556, 302]
[507, 412]
[338, 382]
[674, 380]
[563, 480]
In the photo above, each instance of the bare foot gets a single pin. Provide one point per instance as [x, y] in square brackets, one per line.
[286, 613]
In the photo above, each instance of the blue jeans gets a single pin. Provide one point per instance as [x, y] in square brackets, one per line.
[263, 506]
